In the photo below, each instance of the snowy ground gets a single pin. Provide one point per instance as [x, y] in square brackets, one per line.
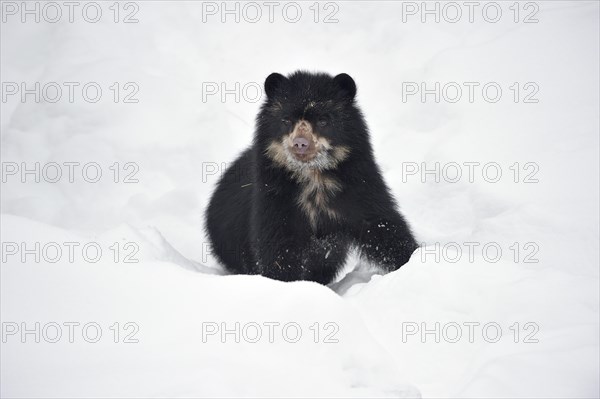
[376, 335]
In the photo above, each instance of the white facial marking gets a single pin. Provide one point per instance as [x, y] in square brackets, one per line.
[317, 188]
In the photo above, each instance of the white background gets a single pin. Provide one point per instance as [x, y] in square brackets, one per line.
[174, 133]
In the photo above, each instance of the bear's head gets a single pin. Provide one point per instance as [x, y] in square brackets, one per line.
[310, 121]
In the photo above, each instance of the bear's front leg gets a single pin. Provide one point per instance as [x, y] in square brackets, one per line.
[386, 242]
[280, 259]
[302, 258]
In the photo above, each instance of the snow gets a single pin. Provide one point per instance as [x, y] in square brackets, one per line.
[176, 140]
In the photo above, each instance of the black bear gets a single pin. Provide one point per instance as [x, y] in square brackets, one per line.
[308, 188]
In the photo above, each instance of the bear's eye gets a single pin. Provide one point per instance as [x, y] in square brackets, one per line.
[286, 121]
[322, 122]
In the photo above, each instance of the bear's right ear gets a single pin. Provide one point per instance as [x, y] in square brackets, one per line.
[346, 84]
[273, 83]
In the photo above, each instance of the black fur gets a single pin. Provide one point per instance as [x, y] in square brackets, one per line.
[254, 220]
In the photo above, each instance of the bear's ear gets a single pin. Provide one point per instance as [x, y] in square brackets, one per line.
[273, 82]
[346, 84]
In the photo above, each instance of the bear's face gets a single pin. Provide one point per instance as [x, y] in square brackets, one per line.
[303, 123]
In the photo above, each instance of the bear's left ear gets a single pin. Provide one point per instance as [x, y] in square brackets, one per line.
[346, 84]
[273, 82]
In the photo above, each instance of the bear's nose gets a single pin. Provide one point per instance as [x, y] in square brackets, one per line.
[300, 145]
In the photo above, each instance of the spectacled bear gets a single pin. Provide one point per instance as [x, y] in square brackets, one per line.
[308, 188]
